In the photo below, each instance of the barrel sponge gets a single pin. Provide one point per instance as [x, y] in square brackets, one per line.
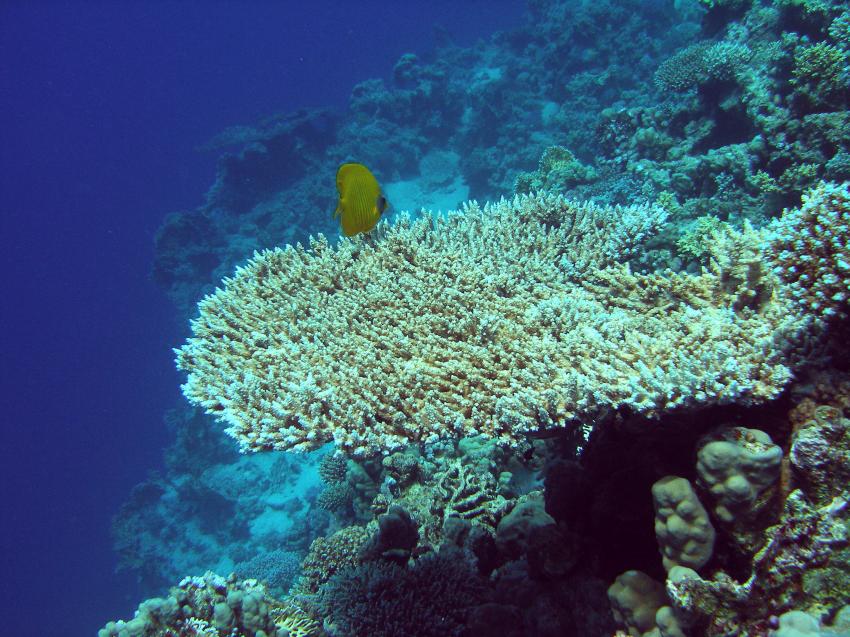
[493, 320]
[682, 528]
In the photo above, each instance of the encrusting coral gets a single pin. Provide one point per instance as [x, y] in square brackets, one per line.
[328, 555]
[699, 64]
[498, 320]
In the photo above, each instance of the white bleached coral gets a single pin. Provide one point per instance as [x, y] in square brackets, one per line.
[498, 320]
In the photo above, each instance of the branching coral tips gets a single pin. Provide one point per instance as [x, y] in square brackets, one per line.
[361, 201]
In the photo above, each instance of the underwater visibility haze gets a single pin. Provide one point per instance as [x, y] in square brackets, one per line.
[344, 319]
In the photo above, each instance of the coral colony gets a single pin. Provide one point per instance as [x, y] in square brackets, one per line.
[612, 400]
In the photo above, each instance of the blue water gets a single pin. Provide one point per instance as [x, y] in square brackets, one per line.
[102, 107]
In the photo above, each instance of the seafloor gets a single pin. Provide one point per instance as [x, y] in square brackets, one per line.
[616, 402]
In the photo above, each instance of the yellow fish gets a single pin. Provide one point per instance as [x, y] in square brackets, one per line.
[361, 201]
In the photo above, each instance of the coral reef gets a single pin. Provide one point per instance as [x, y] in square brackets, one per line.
[550, 417]
[524, 576]
[797, 557]
[747, 116]
[543, 81]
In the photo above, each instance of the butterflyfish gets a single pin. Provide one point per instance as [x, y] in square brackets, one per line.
[361, 202]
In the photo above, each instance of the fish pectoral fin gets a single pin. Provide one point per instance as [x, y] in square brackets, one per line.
[338, 211]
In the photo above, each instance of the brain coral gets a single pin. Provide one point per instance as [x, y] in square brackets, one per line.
[497, 320]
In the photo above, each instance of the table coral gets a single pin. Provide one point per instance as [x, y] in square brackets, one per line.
[499, 320]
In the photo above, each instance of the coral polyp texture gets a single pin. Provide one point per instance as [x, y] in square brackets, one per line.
[812, 250]
[700, 64]
[500, 320]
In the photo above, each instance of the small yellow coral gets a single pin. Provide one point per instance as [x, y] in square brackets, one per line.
[296, 621]
[695, 242]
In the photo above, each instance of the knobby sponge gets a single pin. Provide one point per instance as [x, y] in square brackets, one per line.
[737, 466]
[684, 532]
[635, 598]
[496, 320]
